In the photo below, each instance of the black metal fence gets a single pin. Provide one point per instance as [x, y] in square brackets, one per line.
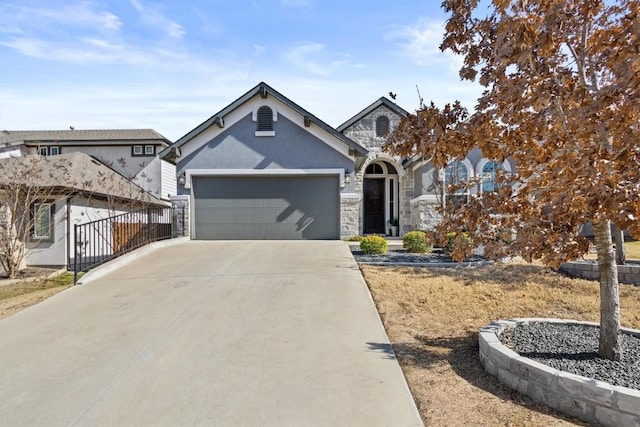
[105, 239]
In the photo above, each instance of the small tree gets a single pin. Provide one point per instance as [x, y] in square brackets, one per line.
[26, 186]
[561, 99]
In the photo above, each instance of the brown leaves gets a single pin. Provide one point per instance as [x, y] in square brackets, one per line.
[562, 101]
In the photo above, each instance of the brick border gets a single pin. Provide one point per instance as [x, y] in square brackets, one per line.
[629, 273]
[584, 398]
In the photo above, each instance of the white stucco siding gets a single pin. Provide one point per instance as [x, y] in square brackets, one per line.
[84, 211]
[51, 253]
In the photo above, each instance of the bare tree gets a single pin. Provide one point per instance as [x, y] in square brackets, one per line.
[28, 192]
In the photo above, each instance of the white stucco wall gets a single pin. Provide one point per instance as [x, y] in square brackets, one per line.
[81, 211]
[51, 253]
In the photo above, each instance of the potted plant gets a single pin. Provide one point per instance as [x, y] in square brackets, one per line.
[393, 224]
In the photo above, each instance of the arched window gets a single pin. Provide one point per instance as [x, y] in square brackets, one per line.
[489, 173]
[382, 126]
[265, 119]
[456, 172]
[374, 169]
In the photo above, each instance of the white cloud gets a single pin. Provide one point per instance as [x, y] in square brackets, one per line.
[313, 58]
[420, 43]
[153, 17]
[82, 14]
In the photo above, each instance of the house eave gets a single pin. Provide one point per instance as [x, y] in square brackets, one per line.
[264, 90]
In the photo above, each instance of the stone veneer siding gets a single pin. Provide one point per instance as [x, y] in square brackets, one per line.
[584, 398]
[182, 223]
[349, 215]
[363, 132]
[424, 213]
[405, 191]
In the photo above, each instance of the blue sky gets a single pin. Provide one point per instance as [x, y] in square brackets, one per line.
[169, 65]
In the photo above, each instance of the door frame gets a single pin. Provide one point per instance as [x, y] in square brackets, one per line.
[391, 181]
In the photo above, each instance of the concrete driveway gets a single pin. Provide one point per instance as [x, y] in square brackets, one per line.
[268, 333]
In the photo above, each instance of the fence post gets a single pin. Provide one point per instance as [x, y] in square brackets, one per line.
[148, 224]
[182, 218]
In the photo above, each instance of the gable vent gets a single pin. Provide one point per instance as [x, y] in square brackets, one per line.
[382, 126]
[265, 119]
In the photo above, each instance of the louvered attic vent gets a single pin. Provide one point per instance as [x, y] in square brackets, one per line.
[382, 126]
[265, 119]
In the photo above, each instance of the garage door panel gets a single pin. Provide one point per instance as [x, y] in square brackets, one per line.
[266, 207]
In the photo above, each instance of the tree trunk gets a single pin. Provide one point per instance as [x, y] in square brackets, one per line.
[609, 294]
[621, 254]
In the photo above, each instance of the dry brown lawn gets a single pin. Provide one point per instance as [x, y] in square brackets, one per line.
[432, 317]
[18, 296]
[633, 249]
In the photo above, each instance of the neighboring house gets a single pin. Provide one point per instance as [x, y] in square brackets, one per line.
[131, 152]
[265, 168]
[70, 189]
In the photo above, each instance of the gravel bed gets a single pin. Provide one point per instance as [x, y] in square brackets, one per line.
[401, 256]
[573, 348]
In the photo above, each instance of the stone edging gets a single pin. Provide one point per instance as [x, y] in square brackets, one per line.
[629, 273]
[584, 398]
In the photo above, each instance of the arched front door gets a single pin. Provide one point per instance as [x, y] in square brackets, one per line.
[380, 199]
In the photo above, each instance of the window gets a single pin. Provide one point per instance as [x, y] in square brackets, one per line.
[42, 221]
[143, 150]
[382, 126]
[374, 168]
[49, 151]
[456, 172]
[489, 173]
[265, 119]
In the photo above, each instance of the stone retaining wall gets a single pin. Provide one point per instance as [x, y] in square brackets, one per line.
[588, 269]
[584, 398]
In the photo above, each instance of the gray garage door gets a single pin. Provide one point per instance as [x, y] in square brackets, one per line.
[257, 208]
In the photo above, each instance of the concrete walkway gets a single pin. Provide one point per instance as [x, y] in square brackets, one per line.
[267, 333]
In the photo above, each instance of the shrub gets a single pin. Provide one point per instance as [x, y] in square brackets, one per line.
[452, 241]
[416, 241]
[355, 238]
[373, 245]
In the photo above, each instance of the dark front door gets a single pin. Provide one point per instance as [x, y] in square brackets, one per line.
[374, 206]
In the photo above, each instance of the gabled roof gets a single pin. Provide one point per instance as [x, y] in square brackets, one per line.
[80, 137]
[73, 172]
[380, 102]
[264, 90]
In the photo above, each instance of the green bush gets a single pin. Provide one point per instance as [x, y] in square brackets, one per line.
[450, 241]
[373, 245]
[355, 238]
[416, 241]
